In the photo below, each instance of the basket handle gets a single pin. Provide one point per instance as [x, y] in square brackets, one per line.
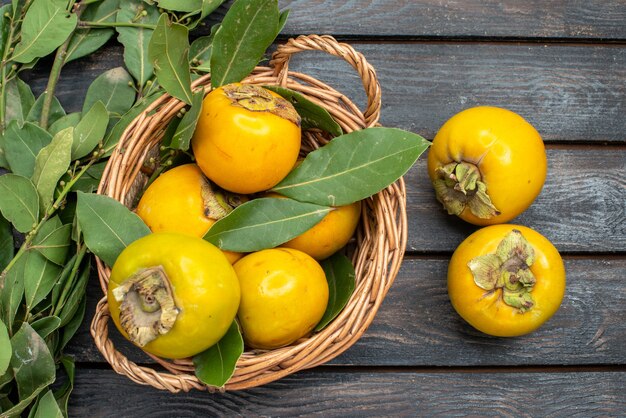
[328, 44]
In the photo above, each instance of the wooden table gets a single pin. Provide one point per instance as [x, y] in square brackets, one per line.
[560, 64]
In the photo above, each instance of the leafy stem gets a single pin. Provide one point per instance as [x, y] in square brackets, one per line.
[88, 24]
[55, 73]
[49, 212]
[5, 78]
[82, 250]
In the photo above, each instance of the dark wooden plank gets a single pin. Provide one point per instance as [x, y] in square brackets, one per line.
[417, 326]
[582, 207]
[568, 93]
[102, 393]
[456, 18]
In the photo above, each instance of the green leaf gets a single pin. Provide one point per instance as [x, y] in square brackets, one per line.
[63, 393]
[3, 159]
[313, 116]
[12, 286]
[46, 26]
[90, 131]
[5, 348]
[48, 407]
[248, 29]
[76, 296]
[5, 23]
[353, 166]
[136, 40]
[72, 323]
[187, 125]
[52, 162]
[282, 20]
[46, 325]
[264, 223]
[208, 7]
[114, 89]
[89, 181]
[19, 100]
[68, 121]
[169, 54]
[53, 241]
[7, 246]
[63, 284]
[216, 365]
[114, 136]
[39, 278]
[186, 6]
[22, 144]
[20, 201]
[108, 226]
[88, 40]
[56, 110]
[200, 51]
[32, 365]
[340, 276]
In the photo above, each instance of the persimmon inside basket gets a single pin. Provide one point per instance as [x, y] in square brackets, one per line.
[380, 238]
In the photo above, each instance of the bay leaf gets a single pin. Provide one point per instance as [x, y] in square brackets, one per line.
[187, 126]
[108, 226]
[22, 144]
[67, 121]
[208, 7]
[313, 116]
[5, 24]
[56, 110]
[48, 407]
[5, 348]
[90, 131]
[114, 136]
[39, 278]
[46, 25]
[46, 325]
[32, 365]
[77, 294]
[53, 241]
[20, 201]
[12, 291]
[7, 246]
[264, 223]
[63, 284]
[282, 20]
[169, 54]
[216, 365]
[136, 40]
[114, 89]
[19, 100]
[73, 323]
[3, 159]
[51, 163]
[85, 41]
[353, 166]
[247, 30]
[340, 276]
[63, 393]
[186, 6]
[89, 181]
[200, 51]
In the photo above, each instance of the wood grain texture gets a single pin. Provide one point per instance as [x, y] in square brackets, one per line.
[417, 326]
[454, 18]
[102, 393]
[570, 94]
[582, 207]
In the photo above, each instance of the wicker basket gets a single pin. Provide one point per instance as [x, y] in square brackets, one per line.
[380, 241]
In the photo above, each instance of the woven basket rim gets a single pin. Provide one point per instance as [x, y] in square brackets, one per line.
[385, 243]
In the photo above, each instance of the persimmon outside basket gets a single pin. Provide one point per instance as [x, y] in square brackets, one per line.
[380, 238]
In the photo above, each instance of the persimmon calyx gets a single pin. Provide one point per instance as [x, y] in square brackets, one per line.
[508, 270]
[257, 99]
[147, 307]
[459, 186]
[217, 202]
